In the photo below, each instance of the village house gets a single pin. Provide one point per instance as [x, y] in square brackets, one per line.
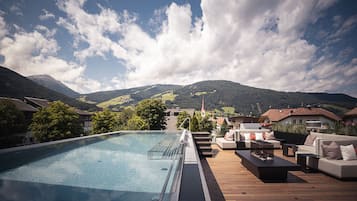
[237, 120]
[26, 109]
[350, 117]
[312, 118]
[85, 118]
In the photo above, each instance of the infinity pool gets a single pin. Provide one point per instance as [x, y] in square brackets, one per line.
[115, 168]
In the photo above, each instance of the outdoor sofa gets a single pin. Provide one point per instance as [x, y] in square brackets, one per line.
[228, 141]
[336, 165]
[328, 148]
[245, 137]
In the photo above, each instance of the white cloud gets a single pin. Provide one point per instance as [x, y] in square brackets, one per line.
[94, 29]
[347, 26]
[46, 15]
[3, 30]
[16, 9]
[35, 52]
[258, 43]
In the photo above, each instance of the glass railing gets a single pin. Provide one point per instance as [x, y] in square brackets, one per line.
[170, 190]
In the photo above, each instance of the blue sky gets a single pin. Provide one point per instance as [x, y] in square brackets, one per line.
[93, 45]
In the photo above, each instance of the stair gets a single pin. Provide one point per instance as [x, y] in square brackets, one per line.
[203, 143]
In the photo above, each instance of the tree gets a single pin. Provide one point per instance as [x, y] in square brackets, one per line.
[122, 118]
[137, 123]
[11, 119]
[153, 112]
[224, 128]
[205, 125]
[181, 117]
[103, 122]
[194, 124]
[55, 122]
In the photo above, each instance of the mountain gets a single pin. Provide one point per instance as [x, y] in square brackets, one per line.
[53, 84]
[244, 99]
[221, 95]
[15, 85]
[125, 97]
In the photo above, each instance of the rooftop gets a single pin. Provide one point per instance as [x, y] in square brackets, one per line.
[20, 105]
[280, 114]
[237, 183]
[38, 101]
[352, 112]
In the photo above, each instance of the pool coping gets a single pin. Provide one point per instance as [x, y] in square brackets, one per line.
[42, 144]
[192, 167]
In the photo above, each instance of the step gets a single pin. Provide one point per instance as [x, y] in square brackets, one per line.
[207, 153]
[203, 143]
[202, 138]
[204, 148]
[201, 134]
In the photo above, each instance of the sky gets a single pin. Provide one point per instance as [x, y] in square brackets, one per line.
[92, 45]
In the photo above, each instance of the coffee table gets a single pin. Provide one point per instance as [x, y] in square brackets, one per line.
[275, 170]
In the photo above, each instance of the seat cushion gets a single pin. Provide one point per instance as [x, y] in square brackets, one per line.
[226, 144]
[338, 168]
[306, 149]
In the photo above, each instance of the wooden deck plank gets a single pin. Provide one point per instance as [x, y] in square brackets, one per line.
[238, 184]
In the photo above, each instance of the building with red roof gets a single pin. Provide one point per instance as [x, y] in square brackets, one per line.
[350, 117]
[313, 118]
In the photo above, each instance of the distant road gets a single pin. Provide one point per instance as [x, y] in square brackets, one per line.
[171, 123]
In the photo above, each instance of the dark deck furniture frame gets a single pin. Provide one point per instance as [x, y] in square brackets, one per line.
[286, 148]
[311, 165]
[269, 171]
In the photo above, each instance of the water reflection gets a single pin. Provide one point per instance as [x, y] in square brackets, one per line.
[30, 191]
[119, 164]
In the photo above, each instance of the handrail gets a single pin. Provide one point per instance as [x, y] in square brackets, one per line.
[189, 123]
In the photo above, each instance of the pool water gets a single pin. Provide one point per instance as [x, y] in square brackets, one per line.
[117, 168]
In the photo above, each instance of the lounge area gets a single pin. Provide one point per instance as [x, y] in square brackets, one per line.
[237, 183]
[310, 167]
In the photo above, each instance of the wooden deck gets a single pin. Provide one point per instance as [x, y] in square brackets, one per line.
[237, 183]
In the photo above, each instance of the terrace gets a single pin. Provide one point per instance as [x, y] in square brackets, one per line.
[238, 183]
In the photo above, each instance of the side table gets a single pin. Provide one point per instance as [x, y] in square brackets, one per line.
[308, 162]
[289, 147]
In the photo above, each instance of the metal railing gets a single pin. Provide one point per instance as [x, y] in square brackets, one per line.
[189, 124]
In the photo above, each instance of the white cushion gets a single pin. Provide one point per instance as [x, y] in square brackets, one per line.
[229, 136]
[269, 136]
[246, 136]
[315, 141]
[348, 152]
[259, 136]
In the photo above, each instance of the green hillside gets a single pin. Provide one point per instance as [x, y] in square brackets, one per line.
[225, 96]
[248, 100]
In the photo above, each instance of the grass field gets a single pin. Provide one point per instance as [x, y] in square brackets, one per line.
[228, 110]
[115, 101]
[84, 99]
[166, 96]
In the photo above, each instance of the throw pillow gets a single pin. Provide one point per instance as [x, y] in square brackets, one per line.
[332, 151]
[348, 152]
[315, 141]
[269, 136]
[229, 136]
[309, 140]
[247, 136]
[259, 136]
[252, 136]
